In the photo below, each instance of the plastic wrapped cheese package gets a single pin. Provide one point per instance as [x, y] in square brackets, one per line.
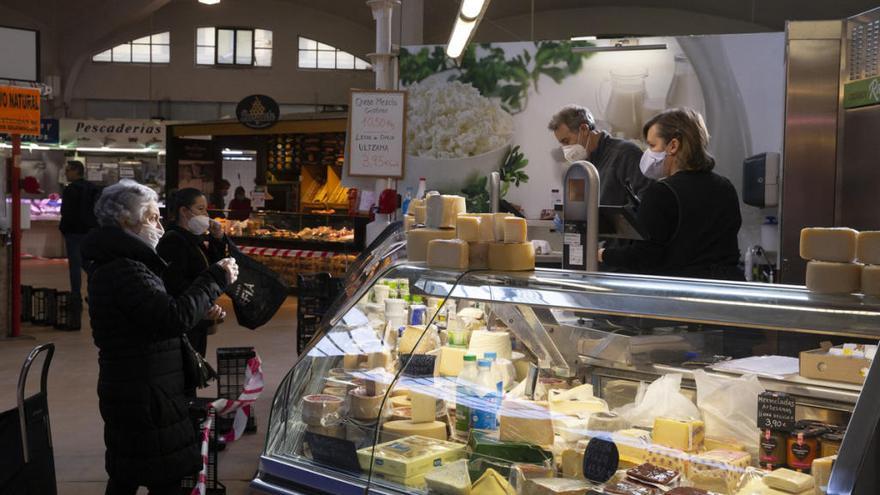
[729, 407]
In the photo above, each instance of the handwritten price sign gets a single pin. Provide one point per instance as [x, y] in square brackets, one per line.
[376, 133]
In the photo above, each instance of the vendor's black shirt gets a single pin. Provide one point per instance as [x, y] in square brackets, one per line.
[617, 161]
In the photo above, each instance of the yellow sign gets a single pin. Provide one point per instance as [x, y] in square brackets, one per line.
[19, 110]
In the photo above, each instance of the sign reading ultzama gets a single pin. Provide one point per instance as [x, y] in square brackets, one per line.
[20, 110]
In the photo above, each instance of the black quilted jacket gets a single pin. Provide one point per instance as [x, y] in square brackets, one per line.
[136, 326]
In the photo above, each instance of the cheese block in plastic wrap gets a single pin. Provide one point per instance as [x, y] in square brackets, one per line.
[789, 481]
[632, 446]
[868, 247]
[443, 210]
[757, 487]
[448, 253]
[467, 228]
[578, 400]
[492, 483]
[521, 474]
[516, 230]
[410, 456]
[556, 486]
[668, 458]
[718, 470]
[478, 256]
[829, 244]
[450, 479]
[834, 278]
[525, 421]
[511, 257]
[417, 242]
[871, 280]
[412, 341]
[573, 463]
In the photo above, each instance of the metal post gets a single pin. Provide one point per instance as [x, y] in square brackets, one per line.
[383, 58]
[495, 191]
[15, 185]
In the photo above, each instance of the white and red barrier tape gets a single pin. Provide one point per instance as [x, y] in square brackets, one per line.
[253, 387]
[285, 253]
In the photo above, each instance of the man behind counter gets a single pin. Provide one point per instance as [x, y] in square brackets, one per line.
[617, 160]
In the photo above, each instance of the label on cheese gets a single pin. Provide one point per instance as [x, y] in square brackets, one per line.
[829, 244]
[868, 247]
[871, 280]
[515, 230]
[467, 228]
[511, 257]
[448, 253]
[834, 278]
[443, 210]
[417, 242]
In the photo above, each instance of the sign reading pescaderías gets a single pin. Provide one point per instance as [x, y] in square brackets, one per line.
[113, 133]
[257, 112]
[20, 110]
[376, 133]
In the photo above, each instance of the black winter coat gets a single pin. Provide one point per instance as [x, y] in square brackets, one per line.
[136, 326]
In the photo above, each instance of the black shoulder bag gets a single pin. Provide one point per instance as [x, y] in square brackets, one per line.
[197, 372]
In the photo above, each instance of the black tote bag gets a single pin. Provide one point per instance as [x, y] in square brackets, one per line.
[258, 292]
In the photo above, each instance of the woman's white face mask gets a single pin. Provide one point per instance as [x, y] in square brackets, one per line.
[198, 224]
[151, 229]
[651, 164]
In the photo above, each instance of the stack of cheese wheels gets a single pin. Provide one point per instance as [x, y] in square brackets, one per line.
[831, 260]
[868, 252]
[437, 212]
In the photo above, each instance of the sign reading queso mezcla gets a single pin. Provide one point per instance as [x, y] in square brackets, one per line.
[257, 112]
[861, 93]
[376, 133]
[113, 133]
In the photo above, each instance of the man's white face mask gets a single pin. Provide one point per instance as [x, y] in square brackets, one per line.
[576, 152]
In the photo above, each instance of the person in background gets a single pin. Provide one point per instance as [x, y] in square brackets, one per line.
[240, 206]
[189, 252]
[137, 325]
[218, 198]
[77, 218]
[617, 160]
[690, 215]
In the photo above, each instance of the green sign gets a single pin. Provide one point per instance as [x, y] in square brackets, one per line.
[862, 93]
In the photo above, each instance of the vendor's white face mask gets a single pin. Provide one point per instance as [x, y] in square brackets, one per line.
[576, 152]
[150, 235]
[198, 224]
[651, 164]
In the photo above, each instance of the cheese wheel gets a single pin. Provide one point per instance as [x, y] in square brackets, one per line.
[420, 214]
[467, 228]
[498, 225]
[829, 244]
[417, 242]
[401, 413]
[443, 210]
[362, 406]
[871, 280]
[394, 430]
[320, 409]
[448, 253]
[336, 431]
[483, 341]
[401, 401]
[834, 278]
[868, 247]
[337, 391]
[515, 230]
[478, 255]
[511, 257]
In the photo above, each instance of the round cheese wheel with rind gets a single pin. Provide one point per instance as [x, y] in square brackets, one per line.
[511, 257]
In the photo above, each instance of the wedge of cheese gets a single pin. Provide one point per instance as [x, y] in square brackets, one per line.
[443, 210]
[417, 242]
[492, 483]
[448, 253]
[829, 244]
[834, 278]
[450, 479]
[511, 257]
[822, 473]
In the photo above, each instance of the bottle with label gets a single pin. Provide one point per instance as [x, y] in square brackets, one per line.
[463, 395]
[404, 207]
[496, 371]
[485, 415]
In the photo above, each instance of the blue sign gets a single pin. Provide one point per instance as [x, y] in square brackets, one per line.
[49, 133]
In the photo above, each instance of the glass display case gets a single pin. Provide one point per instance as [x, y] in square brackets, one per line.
[548, 381]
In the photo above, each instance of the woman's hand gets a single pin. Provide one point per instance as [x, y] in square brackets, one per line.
[215, 313]
[230, 267]
[215, 229]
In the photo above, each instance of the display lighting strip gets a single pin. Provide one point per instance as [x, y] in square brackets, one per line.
[470, 13]
[209, 2]
[120, 150]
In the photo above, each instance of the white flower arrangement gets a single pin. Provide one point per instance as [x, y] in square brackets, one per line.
[453, 120]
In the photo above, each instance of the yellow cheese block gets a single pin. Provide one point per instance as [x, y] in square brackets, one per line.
[478, 255]
[555, 486]
[632, 445]
[668, 458]
[868, 247]
[492, 483]
[420, 214]
[718, 470]
[409, 222]
[448, 253]
[417, 241]
[789, 481]
[871, 280]
[451, 361]
[526, 421]
[450, 479]
[757, 487]
[511, 257]
[393, 430]
[834, 278]
[443, 210]
[467, 228]
[424, 408]
[679, 434]
[822, 473]
[576, 401]
[829, 244]
[498, 225]
[573, 463]
[412, 341]
[722, 444]
[515, 230]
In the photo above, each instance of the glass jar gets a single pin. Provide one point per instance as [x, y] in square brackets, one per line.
[829, 443]
[803, 445]
[772, 454]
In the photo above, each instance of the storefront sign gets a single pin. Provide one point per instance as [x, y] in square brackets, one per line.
[48, 133]
[376, 133]
[20, 110]
[862, 93]
[113, 133]
[257, 112]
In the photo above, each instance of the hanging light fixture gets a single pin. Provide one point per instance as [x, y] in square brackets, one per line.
[470, 13]
[209, 2]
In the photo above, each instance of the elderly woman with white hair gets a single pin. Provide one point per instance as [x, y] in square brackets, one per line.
[137, 328]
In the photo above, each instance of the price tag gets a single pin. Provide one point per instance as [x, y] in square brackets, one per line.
[775, 411]
[601, 460]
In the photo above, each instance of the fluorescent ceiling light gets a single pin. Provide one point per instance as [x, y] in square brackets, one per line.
[461, 35]
[209, 2]
[118, 150]
[583, 38]
[471, 9]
